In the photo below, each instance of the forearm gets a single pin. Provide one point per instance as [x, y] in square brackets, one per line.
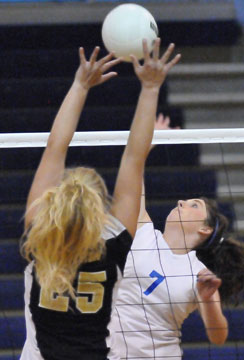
[67, 118]
[141, 133]
[215, 322]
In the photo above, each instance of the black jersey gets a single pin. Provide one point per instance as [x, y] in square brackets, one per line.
[62, 328]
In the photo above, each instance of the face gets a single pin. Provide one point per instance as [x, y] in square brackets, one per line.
[190, 215]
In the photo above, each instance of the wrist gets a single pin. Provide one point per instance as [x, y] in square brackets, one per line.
[150, 89]
[77, 86]
[209, 300]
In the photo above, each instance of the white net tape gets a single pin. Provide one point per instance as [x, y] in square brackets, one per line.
[98, 138]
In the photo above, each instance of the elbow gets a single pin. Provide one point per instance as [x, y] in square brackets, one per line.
[134, 155]
[51, 142]
[219, 338]
[219, 341]
[55, 145]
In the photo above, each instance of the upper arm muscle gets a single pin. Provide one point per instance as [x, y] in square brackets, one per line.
[127, 195]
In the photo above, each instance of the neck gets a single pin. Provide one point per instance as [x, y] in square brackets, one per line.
[177, 240]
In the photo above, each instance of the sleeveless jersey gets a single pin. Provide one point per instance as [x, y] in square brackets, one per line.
[62, 328]
[156, 295]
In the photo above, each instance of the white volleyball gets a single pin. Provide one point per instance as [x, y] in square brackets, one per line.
[125, 27]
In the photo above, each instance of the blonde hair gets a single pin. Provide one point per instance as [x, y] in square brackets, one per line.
[67, 229]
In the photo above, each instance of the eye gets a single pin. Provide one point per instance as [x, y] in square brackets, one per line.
[194, 205]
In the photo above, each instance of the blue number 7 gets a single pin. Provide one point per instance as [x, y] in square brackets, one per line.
[159, 277]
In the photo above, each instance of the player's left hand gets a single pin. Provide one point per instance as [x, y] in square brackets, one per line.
[154, 70]
[207, 284]
[163, 123]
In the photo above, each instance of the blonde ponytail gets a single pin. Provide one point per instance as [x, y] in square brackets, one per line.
[67, 229]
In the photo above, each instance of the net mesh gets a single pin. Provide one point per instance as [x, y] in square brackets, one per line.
[210, 165]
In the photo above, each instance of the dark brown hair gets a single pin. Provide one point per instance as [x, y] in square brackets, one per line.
[222, 254]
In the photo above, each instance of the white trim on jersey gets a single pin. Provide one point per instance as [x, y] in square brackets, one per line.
[30, 350]
[110, 340]
[112, 230]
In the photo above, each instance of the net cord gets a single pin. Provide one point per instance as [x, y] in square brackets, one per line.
[104, 138]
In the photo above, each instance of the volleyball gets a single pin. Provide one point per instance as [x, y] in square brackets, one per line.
[125, 27]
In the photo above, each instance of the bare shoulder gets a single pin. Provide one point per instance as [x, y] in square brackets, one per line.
[143, 220]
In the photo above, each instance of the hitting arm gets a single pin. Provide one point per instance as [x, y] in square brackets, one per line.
[128, 186]
[51, 167]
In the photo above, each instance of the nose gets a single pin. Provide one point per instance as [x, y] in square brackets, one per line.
[180, 203]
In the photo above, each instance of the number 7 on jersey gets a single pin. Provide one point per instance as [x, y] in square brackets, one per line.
[160, 278]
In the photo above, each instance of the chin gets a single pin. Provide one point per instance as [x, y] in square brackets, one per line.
[173, 217]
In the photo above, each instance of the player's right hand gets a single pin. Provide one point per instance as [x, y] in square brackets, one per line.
[92, 72]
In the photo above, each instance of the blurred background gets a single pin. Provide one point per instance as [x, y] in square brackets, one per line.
[39, 43]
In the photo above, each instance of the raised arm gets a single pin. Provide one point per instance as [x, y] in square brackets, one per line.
[51, 167]
[128, 186]
[210, 307]
[162, 123]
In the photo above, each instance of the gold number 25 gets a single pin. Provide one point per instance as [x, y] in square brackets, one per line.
[88, 284]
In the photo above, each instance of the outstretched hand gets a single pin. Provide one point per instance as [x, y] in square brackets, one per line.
[91, 72]
[154, 70]
[163, 123]
[207, 284]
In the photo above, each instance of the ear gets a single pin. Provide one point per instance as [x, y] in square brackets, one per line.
[205, 230]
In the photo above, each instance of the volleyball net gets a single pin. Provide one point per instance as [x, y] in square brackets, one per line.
[103, 138]
[184, 164]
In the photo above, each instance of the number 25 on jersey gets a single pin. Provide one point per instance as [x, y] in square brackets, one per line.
[89, 284]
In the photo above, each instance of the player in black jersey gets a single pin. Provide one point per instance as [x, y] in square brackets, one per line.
[71, 277]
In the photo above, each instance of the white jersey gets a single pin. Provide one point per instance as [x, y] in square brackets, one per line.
[156, 295]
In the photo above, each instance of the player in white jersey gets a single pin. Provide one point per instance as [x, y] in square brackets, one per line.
[157, 293]
[73, 271]
[164, 281]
